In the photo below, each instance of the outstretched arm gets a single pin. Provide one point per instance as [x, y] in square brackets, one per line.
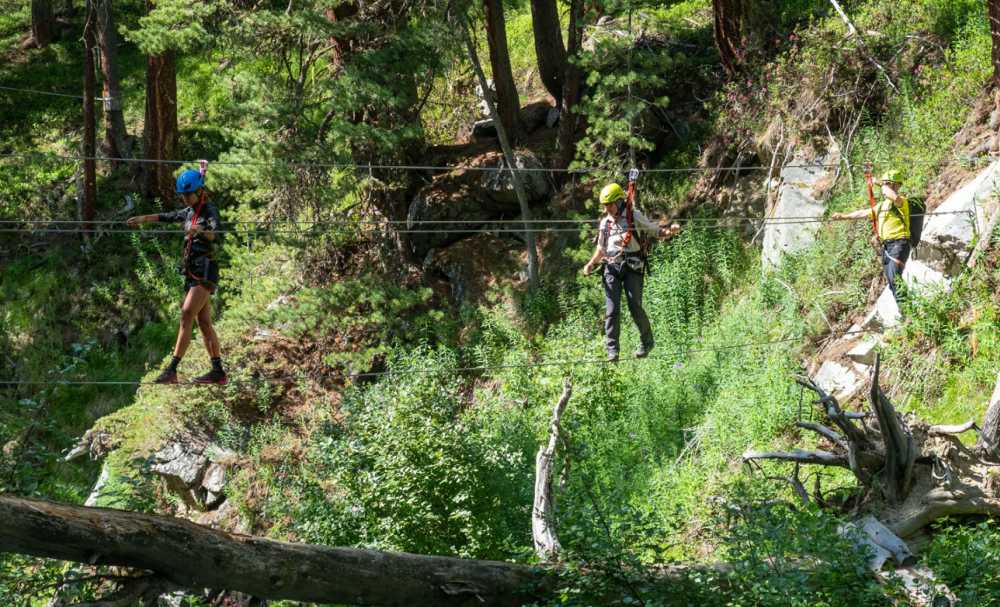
[140, 219]
[860, 213]
[669, 232]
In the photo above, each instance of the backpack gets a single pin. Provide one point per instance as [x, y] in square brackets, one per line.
[916, 223]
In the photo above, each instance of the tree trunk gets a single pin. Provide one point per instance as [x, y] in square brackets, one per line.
[549, 49]
[988, 443]
[993, 7]
[729, 18]
[507, 102]
[570, 122]
[107, 40]
[543, 528]
[160, 130]
[89, 128]
[191, 556]
[43, 25]
[508, 152]
[339, 46]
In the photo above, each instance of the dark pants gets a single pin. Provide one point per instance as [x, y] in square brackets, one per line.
[894, 256]
[615, 277]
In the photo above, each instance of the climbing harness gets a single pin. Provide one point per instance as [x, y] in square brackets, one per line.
[189, 241]
[871, 200]
[881, 250]
[906, 221]
[634, 261]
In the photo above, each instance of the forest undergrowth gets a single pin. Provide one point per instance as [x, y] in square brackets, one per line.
[434, 451]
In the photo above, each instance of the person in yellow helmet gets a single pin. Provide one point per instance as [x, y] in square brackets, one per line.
[892, 218]
[620, 252]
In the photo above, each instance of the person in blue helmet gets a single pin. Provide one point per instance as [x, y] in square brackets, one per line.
[201, 274]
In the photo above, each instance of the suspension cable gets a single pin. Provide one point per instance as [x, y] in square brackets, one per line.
[485, 226]
[365, 167]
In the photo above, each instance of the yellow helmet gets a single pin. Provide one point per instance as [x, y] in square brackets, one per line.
[894, 176]
[611, 194]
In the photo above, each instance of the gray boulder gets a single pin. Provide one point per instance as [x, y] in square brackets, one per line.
[182, 465]
[841, 381]
[468, 198]
[499, 185]
[802, 193]
[863, 352]
[949, 236]
[97, 491]
[213, 484]
[885, 314]
[535, 115]
[194, 470]
[484, 130]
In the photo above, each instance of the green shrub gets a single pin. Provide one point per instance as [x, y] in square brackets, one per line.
[408, 469]
[966, 558]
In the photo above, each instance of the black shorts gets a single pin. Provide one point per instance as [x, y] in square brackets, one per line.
[201, 271]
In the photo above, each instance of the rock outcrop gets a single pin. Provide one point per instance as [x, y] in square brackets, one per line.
[950, 233]
[473, 265]
[802, 197]
[471, 198]
[194, 470]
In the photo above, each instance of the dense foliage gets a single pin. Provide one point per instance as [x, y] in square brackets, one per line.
[404, 420]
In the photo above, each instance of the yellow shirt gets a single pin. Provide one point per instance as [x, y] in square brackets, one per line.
[893, 225]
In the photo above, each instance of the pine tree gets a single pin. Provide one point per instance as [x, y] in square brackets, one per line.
[43, 24]
[730, 18]
[116, 134]
[508, 104]
[549, 49]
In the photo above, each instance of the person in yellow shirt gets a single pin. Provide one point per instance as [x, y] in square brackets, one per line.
[892, 218]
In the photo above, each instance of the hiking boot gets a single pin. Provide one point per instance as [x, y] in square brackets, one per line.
[168, 376]
[214, 376]
[643, 351]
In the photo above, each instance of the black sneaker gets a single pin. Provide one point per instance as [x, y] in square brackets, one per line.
[643, 351]
[169, 376]
[212, 377]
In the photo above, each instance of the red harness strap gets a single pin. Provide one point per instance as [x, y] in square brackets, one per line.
[629, 215]
[871, 201]
[190, 237]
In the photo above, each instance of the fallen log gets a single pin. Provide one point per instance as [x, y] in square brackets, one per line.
[191, 556]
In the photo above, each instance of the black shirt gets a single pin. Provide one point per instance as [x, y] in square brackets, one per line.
[208, 219]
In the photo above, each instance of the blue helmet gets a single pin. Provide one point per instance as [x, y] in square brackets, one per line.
[190, 180]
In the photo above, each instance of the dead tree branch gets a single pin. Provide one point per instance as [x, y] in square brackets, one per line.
[542, 515]
[799, 456]
[862, 47]
[827, 433]
[988, 444]
[909, 472]
[956, 429]
[898, 443]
